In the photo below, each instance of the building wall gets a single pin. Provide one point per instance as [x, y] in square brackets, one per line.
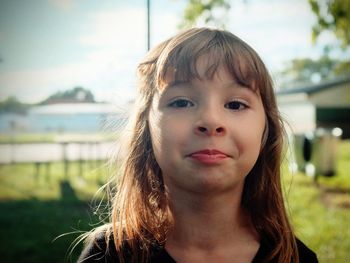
[299, 117]
[326, 108]
[335, 97]
[60, 118]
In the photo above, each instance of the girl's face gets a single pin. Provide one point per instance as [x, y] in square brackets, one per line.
[206, 133]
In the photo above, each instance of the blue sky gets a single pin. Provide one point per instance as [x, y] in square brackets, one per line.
[51, 45]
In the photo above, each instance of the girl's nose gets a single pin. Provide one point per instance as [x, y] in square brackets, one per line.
[210, 125]
[201, 130]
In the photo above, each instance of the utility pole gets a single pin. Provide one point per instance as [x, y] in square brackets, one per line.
[148, 24]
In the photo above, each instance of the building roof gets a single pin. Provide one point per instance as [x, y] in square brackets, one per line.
[75, 108]
[313, 88]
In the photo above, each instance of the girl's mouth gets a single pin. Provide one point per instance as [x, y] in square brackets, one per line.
[209, 156]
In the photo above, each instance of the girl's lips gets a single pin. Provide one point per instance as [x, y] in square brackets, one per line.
[209, 157]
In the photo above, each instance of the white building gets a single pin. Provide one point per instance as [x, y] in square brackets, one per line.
[325, 105]
[65, 117]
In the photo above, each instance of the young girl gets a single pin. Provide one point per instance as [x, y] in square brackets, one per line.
[201, 181]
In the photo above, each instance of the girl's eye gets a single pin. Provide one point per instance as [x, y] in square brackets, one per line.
[181, 103]
[235, 105]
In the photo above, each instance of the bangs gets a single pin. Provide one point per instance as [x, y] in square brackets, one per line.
[178, 61]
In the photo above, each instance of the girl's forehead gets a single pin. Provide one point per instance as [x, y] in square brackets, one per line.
[239, 67]
[204, 64]
[203, 68]
[222, 82]
[204, 72]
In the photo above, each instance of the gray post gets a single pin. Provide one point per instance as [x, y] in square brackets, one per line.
[148, 24]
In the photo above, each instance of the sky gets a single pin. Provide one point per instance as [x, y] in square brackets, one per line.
[55, 45]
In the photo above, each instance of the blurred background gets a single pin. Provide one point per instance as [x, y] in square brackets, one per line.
[68, 84]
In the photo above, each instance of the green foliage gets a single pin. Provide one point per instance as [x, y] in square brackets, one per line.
[77, 94]
[12, 105]
[303, 70]
[206, 10]
[333, 16]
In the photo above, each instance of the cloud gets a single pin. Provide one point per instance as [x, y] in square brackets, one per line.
[127, 28]
[120, 28]
[278, 30]
[115, 41]
[114, 44]
[65, 5]
[104, 77]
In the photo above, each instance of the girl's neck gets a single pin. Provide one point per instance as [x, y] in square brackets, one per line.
[206, 221]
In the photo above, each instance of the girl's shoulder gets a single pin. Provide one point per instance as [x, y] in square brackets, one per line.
[99, 247]
[305, 254]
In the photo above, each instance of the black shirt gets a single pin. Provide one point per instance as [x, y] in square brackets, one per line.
[96, 251]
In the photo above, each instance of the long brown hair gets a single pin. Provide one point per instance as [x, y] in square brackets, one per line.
[140, 212]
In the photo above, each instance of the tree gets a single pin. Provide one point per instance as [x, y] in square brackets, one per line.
[332, 16]
[211, 11]
[302, 70]
[77, 94]
[13, 105]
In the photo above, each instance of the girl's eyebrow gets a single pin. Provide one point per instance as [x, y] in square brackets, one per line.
[177, 83]
[235, 84]
[187, 84]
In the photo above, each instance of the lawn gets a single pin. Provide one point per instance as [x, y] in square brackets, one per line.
[41, 214]
[38, 207]
[320, 210]
[53, 137]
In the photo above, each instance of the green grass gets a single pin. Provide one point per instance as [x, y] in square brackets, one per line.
[38, 206]
[36, 209]
[27, 181]
[27, 138]
[29, 229]
[51, 137]
[320, 211]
